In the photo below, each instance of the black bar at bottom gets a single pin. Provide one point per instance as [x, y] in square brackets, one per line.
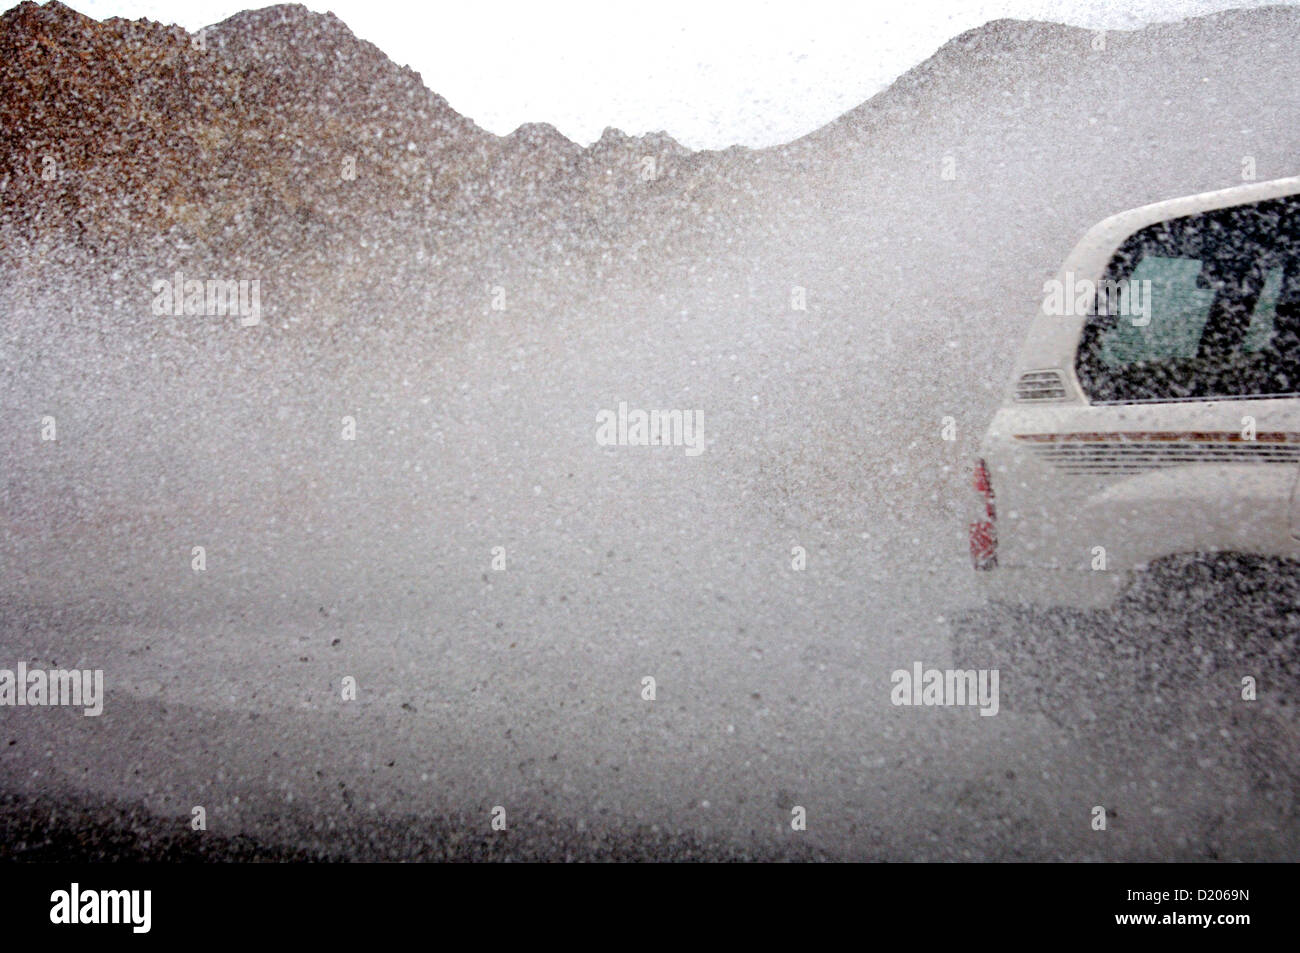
[335, 902]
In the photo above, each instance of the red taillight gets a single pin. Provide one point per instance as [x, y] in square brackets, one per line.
[983, 532]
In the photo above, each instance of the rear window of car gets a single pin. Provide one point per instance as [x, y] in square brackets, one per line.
[1211, 309]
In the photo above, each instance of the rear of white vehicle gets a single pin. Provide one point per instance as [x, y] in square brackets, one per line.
[1155, 407]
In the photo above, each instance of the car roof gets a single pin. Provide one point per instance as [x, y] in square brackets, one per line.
[1118, 227]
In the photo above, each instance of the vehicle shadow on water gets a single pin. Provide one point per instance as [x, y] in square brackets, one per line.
[1199, 663]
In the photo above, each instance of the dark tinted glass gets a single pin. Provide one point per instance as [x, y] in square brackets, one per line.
[1224, 310]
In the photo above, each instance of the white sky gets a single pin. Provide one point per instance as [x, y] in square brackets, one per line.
[708, 72]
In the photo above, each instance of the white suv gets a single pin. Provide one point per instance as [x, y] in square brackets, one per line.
[1155, 407]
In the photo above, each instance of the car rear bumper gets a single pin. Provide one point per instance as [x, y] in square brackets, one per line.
[1066, 588]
